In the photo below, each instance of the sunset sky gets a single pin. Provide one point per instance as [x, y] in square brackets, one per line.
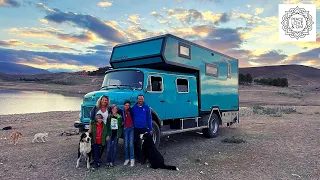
[75, 35]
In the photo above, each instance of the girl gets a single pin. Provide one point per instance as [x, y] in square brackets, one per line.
[114, 131]
[99, 134]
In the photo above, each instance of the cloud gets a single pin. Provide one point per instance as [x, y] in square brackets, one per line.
[9, 3]
[104, 4]
[156, 15]
[270, 57]
[87, 22]
[258, 11]
[220, 38]
[312, 55]
[190, 16]
[55, 33]
[49, 60]
[50, 46]
[133, 18]
[10, 43]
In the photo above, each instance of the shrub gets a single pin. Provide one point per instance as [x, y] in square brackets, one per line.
[233, 140]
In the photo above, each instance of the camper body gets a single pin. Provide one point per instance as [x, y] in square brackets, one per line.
[187, 86]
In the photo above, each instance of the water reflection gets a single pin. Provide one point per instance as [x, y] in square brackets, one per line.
[21, 102]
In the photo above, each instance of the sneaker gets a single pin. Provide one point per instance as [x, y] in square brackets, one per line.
[108, 165]
[132, 162]
[111, 164]
[126, 162]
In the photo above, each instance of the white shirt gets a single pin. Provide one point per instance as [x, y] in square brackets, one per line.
[105, 115]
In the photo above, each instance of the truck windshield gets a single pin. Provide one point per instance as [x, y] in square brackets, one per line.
[123, 79]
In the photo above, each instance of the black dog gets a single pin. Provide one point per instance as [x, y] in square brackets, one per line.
[150, 153]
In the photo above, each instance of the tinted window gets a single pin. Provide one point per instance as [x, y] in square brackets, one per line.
[123, 79]
[212, 70]
[182, 85]
[156, 84]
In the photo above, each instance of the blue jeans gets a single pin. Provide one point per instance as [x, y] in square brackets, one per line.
[128, 139]
[96, 153]
[111, 156]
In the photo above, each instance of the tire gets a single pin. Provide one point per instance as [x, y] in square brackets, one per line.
[156, 134]
[213, 129]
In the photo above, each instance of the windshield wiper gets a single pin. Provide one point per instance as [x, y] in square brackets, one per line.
[126, 86]
[110, 85]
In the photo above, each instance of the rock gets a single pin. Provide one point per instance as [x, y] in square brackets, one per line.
[206, 164]
[198, 160]
[201, 172]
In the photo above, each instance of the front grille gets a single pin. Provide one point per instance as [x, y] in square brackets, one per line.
[86, 111]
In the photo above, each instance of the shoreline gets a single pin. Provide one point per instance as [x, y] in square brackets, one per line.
[65, 90]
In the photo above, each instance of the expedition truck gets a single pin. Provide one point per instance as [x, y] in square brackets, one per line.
[188, 87]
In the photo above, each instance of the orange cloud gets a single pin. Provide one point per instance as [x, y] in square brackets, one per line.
[56, 33]
[10, 43]
[50, 46]
[104, 4]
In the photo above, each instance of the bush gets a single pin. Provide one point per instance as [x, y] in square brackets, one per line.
[233, 140]
[273, 111]
[280, 82]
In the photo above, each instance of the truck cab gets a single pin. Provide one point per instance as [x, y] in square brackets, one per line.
[187, 86]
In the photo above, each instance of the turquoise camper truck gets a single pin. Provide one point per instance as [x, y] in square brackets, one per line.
[187, 86]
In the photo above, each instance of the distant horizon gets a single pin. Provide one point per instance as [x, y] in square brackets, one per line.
[69, 37]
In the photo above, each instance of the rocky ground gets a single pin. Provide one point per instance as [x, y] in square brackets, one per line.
[281, 142]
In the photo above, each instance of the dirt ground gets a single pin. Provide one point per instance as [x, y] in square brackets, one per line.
[285, 146]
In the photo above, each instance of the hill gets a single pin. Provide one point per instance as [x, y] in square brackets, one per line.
[296, 74]
[12, 68]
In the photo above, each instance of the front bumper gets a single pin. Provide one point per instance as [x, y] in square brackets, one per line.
[81, 125]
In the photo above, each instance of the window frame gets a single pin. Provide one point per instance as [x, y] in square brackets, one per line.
[213, 66]
[177, 85]
[229, 71]
[186, 46]
[149, 83]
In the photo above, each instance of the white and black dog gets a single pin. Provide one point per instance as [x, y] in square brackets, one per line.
[84, 149]
[150, 153]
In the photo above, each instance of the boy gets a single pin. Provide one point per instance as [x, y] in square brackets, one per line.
[99, 134]
[114, 131]
[128, 134]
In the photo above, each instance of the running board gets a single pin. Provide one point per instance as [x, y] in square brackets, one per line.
[163, 133]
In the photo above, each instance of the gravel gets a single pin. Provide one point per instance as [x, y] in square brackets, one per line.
[286, 147]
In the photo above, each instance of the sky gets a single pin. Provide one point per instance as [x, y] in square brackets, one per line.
[76, 35]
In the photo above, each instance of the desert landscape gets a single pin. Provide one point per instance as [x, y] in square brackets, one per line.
[277, 137]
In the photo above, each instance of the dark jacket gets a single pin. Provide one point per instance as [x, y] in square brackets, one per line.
[104, 132]
[142, 116]
[94, 111]
[108, 125]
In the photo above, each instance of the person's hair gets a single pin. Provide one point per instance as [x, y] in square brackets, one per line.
[99, 116]
[99, 104]
[127, 101]
[114, 106]
[140, 95]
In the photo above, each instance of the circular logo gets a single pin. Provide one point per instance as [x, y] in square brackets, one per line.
[297, 22]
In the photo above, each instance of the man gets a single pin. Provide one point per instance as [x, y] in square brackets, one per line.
[142, 123]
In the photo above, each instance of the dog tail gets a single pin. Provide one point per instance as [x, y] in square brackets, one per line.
[170, 168]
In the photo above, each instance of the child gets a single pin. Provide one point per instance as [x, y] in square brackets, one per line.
[99, 134]
[114, 131]
[128, 133]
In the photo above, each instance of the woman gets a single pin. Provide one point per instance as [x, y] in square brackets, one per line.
[114, 131]
[102, 107]
[127, 117]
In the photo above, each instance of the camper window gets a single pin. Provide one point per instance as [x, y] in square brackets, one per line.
[184, 51]
[211, 70]
[155, 84]
[229, 70]
[182, 85]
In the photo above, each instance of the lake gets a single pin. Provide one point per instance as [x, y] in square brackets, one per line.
[22, 102]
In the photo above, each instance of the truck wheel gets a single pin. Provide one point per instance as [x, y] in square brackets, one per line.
[213, 129]
[156, 134]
